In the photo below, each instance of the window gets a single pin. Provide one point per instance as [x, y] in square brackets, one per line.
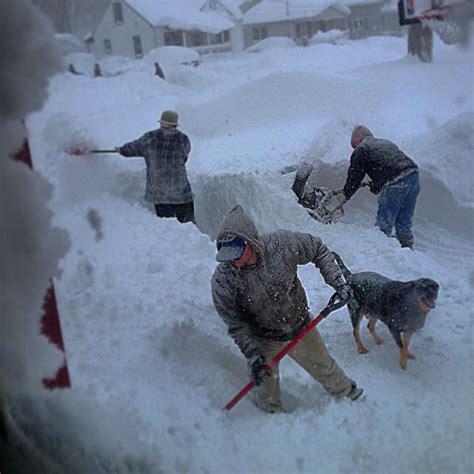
[118, 13]
[220, 38]
[196, 39]
[173, 38]
[323, 26]
[358, 25]
[108, 46]
[259, 33]
[137, 46]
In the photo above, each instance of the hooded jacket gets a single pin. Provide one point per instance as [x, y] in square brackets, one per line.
[381, 160]
[268, 300]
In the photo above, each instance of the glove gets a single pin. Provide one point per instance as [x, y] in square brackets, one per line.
[373, 189]
[308, 200]
[341, 197]
[345, 292]
[117, 149]
[259, 370]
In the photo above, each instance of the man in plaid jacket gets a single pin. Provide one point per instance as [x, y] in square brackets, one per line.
[166, 152]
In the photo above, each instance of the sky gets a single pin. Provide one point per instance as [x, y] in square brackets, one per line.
[150, 361]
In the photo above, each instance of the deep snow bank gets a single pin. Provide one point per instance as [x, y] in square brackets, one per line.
[135, 301]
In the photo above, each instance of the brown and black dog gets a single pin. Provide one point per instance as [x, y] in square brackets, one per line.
[401, 305]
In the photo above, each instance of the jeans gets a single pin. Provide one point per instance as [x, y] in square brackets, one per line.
[397, 203]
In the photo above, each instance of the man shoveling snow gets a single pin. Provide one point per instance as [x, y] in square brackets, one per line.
[257, 293]
[394, 178]
[166, 152]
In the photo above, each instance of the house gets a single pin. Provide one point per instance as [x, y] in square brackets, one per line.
[365, 18]
[232, 10]
[133, 27]
[301, 19]
[297, 19]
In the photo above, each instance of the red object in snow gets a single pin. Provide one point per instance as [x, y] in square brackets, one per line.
[50, 325]
[51, 328]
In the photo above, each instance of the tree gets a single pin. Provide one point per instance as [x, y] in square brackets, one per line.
[73, 16]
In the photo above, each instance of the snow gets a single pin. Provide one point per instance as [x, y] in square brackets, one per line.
[271, 43]
[68, 43]
[269, 11]
[184, 15]
[330, 36]
[171, 56]
[30, 245]
[232, 6]
[83, 62]
[150, 361]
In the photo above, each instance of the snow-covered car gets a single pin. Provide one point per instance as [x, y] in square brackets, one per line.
[172, 56]
[83, 62]
[271, 43]
[331, 36]
[113, 65]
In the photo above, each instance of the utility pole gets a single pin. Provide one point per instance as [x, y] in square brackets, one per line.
[288, 17]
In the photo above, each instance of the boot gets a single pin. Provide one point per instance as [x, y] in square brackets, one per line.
[406, 242]
[355, 392]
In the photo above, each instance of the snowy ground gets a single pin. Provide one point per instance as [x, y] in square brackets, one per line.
[141, 334]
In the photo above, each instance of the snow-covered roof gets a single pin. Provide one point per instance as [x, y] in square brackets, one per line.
[181, 14]
[269, 11]
[233, 7]
[390, 7]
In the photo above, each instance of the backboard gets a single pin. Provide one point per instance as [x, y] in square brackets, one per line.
[413, 11]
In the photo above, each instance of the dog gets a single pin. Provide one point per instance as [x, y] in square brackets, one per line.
[401, 305]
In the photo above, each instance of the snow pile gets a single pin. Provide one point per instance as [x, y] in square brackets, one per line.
[23, 82]
[82, 62]
[171, 56]
[69, 43]
[138, 321]
[271, 43]
[447, 153]
[330, 36]
[31, 247]
[113, 65]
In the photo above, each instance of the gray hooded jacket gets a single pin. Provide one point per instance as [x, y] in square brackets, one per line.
[268, 300]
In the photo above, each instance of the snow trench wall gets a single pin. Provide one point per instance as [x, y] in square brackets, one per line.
[270, 202]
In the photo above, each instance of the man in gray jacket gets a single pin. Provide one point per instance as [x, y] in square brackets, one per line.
[166, 152]
[257, 292]
[394, 178]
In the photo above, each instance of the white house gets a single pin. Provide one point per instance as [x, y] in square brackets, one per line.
[134, 27]
[301, 19]
[234, 11]
[297, 19]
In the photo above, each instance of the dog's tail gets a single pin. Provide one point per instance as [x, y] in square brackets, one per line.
[345, 271]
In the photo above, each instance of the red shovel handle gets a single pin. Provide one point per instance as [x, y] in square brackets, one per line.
[334, 303]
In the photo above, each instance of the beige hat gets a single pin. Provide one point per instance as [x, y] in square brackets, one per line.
[169, 117]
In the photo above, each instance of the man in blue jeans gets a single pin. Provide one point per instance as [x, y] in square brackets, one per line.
[394, 176]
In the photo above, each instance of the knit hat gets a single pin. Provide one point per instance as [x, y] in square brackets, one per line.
[169, 117]
[359, 133]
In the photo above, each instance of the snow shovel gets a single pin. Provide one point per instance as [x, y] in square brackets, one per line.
[78, 151]
[334, 303]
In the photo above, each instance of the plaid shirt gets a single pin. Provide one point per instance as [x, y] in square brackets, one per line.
[165, 151]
